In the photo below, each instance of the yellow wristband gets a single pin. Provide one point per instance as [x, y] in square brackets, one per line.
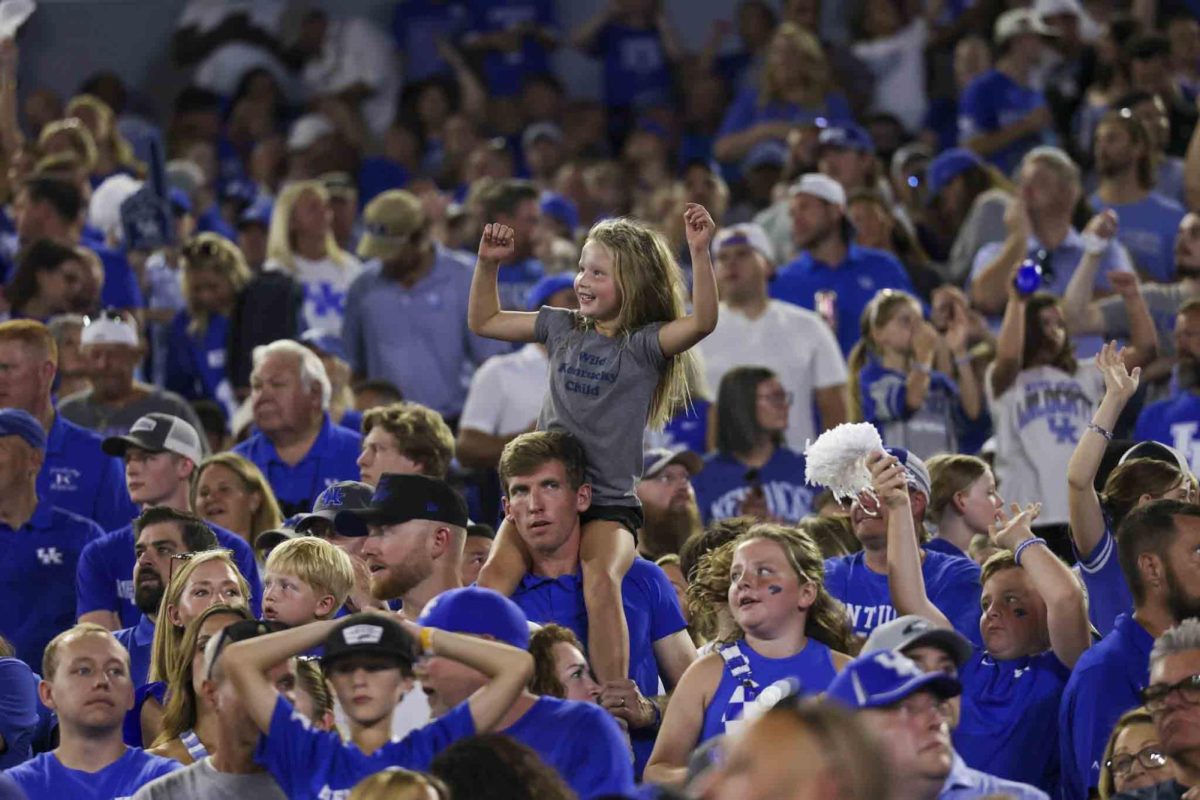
[426, 639]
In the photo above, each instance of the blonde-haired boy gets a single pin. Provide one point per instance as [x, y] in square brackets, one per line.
[306, 579]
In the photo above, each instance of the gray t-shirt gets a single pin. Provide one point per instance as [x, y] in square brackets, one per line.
[1162, 301]
[81, 409]
[600, 391]
[201, 782]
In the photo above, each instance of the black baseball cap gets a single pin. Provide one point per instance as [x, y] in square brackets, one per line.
[238, 632]
[371, 634]
[400, 498]
[341, 496]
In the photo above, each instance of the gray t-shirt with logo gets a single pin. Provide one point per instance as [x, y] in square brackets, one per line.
[200, 781]
[600, 391]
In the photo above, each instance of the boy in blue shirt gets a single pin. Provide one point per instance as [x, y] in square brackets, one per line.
[1034, 627]
[39, 544]
[1175, 420]
[368, 659]
[87, 685]
[580, 740]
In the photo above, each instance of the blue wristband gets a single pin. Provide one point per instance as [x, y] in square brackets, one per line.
[1021, 547]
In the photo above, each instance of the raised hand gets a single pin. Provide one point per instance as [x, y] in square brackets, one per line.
[888, 479]
[699, 227]
[1016, 219]
[924, 340]
[1124, 283]
[1119, 382]
[1103, 224]
[499, 243]
[1008, 532]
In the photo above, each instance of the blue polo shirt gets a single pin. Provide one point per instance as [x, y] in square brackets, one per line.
[993, 101]
[964, 783]
[333, 457]
[1147, 230]
[196, 363]
[721, 486]
[417, 25]
[582, 742]
[45, 776]
[1104, 685]
[637, 72]
[651, 612]
[37, 577]
[951, 582]
[1107, 590]
[104, 577]
[138, 640]
[506, 70]
[1174, 421]
[78, 477]
[309, 763]
[18, 711]
[855, 281]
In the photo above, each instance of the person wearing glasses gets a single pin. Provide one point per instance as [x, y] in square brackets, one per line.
[1153, 542]
[1173, 700]
[1134, 758]
[669, 508]
[752, 472]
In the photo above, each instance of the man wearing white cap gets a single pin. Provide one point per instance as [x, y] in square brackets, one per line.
[833, 275]
[752, 326]
[116, 401]
[1001, 116]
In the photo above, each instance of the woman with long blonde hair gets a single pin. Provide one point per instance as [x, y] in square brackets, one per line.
[113, 151]
[785, 626]
[301, 243]
[230, 491]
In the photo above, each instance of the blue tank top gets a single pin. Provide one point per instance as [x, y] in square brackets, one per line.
[812, 667]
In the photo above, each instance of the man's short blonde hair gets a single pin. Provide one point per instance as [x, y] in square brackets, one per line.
[50, 656]
[33, 335]
[323, 566]
[420, 433]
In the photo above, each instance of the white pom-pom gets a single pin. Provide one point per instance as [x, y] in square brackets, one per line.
[837, 460]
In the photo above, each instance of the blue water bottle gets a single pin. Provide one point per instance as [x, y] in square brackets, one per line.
[1028, 278]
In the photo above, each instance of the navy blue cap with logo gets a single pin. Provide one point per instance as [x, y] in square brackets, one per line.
[401, 498]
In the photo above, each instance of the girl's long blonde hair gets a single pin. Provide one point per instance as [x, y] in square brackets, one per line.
[877, 313]
[652, 290]
[213, 252]
[183, 707]
[279, 238]
[165, 651]
[118, 145]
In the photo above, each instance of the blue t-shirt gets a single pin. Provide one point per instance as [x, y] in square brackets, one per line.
[121, 288]
[855, 282]
[637, 72]
[927, 431]
[1174, 421]
[309, 764]
[18, 711]
[514, 280]
[721, 486]
[746, 111]
[688, 428]
[1104, 685]
[139, 641]
[196, 367]
[37, 577]
[651, 611]
[333, 457]
[77, 476]
[44, 776]
[417, 25]
[1108, 592]
[506, 70]
[582, 742]
[951, 582]
[993, 101]
[1005, 729]
[813, 667]
[1147, 230]
[104, 578]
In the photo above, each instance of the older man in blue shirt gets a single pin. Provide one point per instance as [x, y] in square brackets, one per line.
[406, 314]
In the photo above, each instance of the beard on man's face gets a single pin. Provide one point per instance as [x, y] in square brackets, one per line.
[666, 529]
[1182, 604]
[148, 592]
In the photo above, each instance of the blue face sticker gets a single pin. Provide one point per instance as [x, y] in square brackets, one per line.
[773, 589]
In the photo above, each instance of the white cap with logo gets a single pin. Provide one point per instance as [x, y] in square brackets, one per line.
[820, 186]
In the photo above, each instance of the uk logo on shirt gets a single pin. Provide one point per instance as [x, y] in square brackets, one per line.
[50, 556]
[333, 794]
[64, 479]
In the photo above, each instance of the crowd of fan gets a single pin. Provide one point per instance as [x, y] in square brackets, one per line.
[382, 422]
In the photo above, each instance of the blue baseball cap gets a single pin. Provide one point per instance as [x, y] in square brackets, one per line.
[546, 288]
[914, 468]
[17, 422]
[947, 166]
[884, 678]
[767, 153]
[560, 209]
[257, 213]
[324, 341]
[181, 203]
[847, 136]
[480, 612]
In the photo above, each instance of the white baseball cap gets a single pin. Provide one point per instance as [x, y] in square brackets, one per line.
[307, 130]
[1054, 8]
[109, 328]
[750, 233]
[1018, 21]
[820, 186]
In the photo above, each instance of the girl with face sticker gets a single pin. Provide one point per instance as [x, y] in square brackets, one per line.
[1034, 628]
[786, 627]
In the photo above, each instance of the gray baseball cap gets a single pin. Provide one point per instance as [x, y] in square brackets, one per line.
[912, 631]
